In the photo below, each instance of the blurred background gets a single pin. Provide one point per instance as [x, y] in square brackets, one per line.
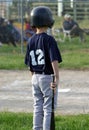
[11, 9]
[18, 11]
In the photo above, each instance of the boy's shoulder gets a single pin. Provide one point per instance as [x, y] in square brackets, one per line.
[44, 36]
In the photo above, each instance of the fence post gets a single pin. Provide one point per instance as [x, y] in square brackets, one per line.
[75, 11]
[22, 43]
[19, 17]
[60, 7]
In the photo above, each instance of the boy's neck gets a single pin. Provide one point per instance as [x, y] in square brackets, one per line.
[41, 30]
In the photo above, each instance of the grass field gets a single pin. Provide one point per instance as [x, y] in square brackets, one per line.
[75, 55]
[23, 121]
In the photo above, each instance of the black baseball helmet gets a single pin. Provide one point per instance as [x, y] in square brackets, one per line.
[41, 16]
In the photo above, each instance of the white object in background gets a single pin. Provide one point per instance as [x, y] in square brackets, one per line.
[71, 4]
[60, 7]
[64, 90]
[49, 31]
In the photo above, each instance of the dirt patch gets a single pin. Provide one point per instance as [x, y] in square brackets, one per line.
[16, 93]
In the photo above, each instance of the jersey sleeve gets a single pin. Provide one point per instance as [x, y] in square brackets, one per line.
[54, 51]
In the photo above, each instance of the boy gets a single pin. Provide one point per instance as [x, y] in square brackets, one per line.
[42, 57]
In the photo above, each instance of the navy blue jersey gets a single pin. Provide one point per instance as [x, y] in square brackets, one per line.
[42, 49]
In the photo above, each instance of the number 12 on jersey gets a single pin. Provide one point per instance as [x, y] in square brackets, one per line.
[37, 57]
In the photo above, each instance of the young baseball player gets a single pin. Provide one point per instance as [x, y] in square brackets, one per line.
[43, 56]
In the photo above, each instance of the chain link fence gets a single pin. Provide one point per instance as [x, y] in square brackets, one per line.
[11, 9]
[18, 10]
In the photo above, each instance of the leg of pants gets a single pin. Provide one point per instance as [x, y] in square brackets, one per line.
[11, 38]
[38, 120]
[78, 32]
[82, 36]
[38, 104]
[75, 31]
[42, 101]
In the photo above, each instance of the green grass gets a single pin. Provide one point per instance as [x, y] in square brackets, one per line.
[15, 121]
[73, 122]
[23, 121]
[75, 55]
[11, 57]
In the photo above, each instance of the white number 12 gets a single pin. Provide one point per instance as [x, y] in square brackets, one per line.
[40, 57]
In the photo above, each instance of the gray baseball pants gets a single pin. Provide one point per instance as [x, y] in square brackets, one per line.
[42, 94]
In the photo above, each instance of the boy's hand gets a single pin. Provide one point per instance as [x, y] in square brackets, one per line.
[53, 85]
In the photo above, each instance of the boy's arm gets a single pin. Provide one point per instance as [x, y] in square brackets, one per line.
[56, 73]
